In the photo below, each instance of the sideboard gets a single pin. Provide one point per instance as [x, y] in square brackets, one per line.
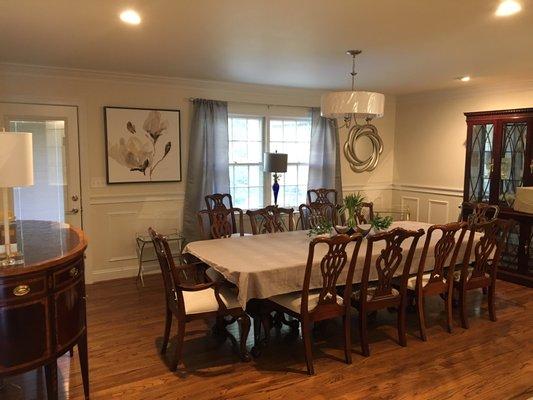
[42, 302]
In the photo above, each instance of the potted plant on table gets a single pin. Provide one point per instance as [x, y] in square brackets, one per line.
[322, 228]
[379, 224]
[352, 206]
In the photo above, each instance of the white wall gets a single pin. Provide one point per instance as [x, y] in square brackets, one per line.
[114, 213]
[430, 149]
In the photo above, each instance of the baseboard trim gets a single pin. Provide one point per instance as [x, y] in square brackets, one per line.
[129, 271]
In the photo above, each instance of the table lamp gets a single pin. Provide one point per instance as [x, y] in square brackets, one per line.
[16, 169]
[275, 162]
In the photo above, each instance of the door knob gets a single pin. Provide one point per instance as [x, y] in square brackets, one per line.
[75, 197]
[73, 211]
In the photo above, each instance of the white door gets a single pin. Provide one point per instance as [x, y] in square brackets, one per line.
[56, 194]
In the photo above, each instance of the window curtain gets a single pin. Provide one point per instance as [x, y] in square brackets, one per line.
[324, 158]
[208, 166]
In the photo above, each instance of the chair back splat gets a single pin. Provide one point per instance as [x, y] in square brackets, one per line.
[219, 201]
[322, 196]
[388, 262]
[332, 265]
[271, 219]
[312, 215]
[221, 222]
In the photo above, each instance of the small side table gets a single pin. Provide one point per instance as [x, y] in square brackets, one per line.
[142, 240]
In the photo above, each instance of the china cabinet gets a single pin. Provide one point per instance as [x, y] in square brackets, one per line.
[499, 150]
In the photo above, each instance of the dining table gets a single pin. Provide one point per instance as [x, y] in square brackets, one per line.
[266, 265]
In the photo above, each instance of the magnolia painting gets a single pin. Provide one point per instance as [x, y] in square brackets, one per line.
[143, 145]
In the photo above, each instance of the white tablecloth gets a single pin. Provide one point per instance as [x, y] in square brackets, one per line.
[270, 264]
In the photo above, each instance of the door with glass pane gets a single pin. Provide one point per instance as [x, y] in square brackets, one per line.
[479, 178]
[55, 194]
[515, 162]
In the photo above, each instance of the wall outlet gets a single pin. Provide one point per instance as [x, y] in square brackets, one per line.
[98, 182]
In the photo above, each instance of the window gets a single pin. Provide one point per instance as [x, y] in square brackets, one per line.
[246, 161]
[293, 137]
[249, 137]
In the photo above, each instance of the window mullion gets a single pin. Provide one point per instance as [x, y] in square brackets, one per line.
[266, 149]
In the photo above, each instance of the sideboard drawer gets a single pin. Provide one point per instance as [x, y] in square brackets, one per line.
[22, 289]
[68, 275]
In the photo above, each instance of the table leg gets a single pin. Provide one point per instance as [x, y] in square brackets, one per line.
[50, 371]
[84, 363]
[141, 269]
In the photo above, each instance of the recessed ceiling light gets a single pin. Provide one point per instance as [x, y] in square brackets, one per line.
[508, 7]
[464, 78]
[130, 17]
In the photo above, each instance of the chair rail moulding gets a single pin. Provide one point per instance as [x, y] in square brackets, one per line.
[440, 190]
[98, 199]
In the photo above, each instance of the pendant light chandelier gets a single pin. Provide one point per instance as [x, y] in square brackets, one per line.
[351, 106]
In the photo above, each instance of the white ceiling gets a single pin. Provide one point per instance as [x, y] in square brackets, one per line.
[408, 45]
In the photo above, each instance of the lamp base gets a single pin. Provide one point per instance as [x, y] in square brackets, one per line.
[11, 259]
[275, 189]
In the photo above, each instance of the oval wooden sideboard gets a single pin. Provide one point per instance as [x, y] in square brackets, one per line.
[42, 302]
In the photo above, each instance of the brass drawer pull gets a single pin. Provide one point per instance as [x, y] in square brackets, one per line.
[74, 272]
[21, 290]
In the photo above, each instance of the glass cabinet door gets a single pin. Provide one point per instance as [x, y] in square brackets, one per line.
[513, 161]
[481, 162]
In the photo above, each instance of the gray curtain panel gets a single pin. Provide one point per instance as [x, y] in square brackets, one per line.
[324, 160]
[208, 166]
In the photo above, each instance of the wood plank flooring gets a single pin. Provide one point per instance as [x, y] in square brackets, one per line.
[491, 360]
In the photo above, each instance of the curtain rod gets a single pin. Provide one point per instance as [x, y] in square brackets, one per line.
[255, 103]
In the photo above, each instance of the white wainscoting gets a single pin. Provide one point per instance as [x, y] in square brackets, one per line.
[435, 205]
[413, 205]
[117, 219]
[438, 211]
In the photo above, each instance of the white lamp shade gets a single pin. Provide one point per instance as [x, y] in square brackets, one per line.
[275, 162]
[16, 159]
[358, 104]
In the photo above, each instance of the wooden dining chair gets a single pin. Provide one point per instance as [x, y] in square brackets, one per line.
[221, 222]
[271, 219]
[365, 213]
[311, 215]
[481, 273]
[322, 195]
[309, 306]
[377, 291]
[191, 296]
[439, 281]
[221, 201]
[478, 213]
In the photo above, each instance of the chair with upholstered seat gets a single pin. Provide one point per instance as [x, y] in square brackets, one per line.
[271, 219]
[322, 196]
[377, 291]
[481, 273]
[309, 306]
[478, 213]
[312, 215]
[221, 222]
[222, 201]
[190, 295]
[439, 281]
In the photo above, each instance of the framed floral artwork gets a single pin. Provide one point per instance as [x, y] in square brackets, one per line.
[142, 145]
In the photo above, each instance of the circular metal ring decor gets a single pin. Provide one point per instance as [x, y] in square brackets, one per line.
[359, 131]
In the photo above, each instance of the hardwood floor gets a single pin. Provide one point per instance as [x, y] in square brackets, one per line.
[491, 360]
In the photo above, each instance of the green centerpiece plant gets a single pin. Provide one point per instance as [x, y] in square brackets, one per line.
[323, 227]
[352, 205]
[379, 223]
